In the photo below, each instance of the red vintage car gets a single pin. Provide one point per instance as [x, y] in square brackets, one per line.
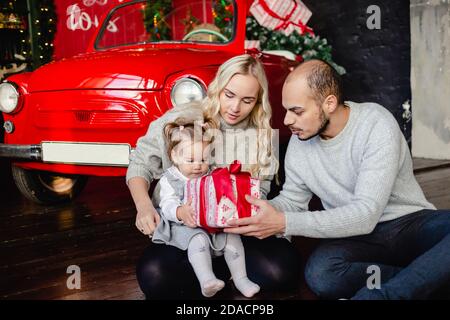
[82, 116]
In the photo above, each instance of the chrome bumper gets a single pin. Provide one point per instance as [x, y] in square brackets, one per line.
[21, 151]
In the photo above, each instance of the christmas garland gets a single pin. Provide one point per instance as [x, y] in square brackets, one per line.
[307, 45]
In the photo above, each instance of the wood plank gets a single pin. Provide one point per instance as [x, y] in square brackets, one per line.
[422, 164]
[436, 186]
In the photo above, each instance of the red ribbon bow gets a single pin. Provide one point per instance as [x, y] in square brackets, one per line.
[285, 22]
[222, 183]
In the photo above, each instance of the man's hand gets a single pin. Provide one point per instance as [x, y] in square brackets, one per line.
[266, 223]
[186, 214]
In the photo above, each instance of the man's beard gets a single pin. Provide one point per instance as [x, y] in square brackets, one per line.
[323, 126]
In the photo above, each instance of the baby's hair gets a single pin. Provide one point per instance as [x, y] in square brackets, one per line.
[183, 129]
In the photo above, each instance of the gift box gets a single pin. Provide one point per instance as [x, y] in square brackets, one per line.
[252, 44]
[285, 16]
[220, 196]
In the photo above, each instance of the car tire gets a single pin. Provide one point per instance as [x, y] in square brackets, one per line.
[45, 187]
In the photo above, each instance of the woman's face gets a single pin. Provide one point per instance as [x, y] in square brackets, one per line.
[238, 98]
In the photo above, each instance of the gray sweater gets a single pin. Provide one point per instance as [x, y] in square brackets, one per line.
[363, 176]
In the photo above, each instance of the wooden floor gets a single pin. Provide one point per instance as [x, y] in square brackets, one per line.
[96, 232]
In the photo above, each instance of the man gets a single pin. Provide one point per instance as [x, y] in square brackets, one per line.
[355, 159]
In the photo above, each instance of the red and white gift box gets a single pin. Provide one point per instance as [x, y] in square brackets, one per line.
[252, 44]
[286, 15]
[220, 196]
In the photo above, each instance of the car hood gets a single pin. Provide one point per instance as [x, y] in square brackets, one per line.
[133, 69]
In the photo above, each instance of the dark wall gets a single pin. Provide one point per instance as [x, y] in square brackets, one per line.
[377, 61]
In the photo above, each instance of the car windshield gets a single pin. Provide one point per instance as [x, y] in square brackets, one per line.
[181, 21]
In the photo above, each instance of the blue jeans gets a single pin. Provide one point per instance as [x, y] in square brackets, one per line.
[411, 252]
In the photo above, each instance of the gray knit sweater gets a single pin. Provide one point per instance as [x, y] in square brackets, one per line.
[363, 176]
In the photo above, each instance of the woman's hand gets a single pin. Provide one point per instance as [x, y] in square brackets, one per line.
[186, 214]
[147, 218]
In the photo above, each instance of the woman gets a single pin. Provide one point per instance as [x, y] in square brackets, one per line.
[237, 100]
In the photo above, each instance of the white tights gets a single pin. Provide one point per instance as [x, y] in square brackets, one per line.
[200, 258]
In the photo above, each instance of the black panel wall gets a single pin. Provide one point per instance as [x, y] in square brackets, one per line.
[377, 61]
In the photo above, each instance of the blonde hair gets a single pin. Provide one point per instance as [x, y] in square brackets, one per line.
[261, 113]
[182, 129]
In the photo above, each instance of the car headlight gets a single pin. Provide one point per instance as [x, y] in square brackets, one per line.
[9, 97]
[186, 90]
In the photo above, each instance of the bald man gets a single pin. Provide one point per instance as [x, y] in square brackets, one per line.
[382, 238]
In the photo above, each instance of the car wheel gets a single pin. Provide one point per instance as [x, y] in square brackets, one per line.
[48, 187]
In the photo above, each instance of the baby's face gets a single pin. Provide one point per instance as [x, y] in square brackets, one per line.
[192, 158]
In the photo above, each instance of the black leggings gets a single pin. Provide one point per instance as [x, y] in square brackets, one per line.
[164, 272]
